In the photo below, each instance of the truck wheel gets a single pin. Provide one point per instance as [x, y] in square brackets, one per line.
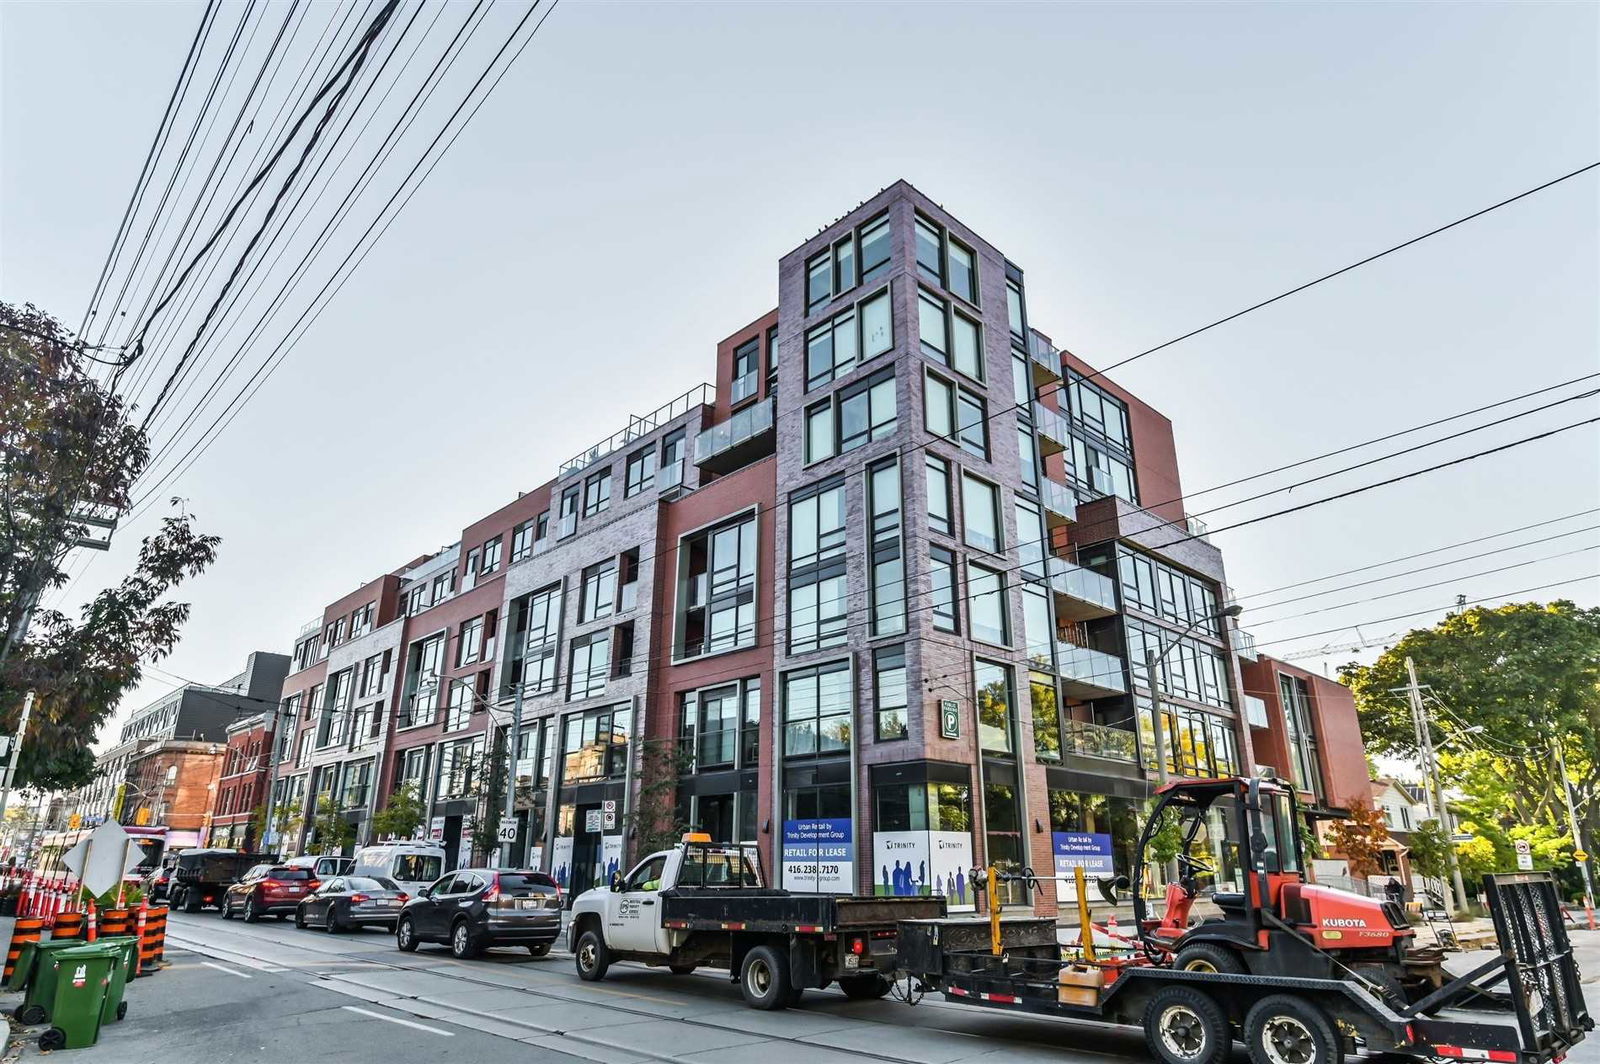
[764, 979]
[864, 987]
[405, 936]
[193, 901]
[1182, 1025]
[175, 897]
[592, 957]
[681, 969]
[1209, 957]
[227, 913]
[1286, 1030]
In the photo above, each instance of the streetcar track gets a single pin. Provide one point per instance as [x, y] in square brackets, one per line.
[462, 971]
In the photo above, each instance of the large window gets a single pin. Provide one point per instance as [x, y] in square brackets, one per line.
[1296, 697]
[889, 692]
[1158, 589]
[461, 767]
[491, 556]
[458, 708]
[957, 415]
[855, 258]
[596, 493]
[521, 542]
[640, 472]
[595, 745]
[374, 675]
[469, 642]
[888, 573]
[1046, 711]
[589, 666]
[746, 372]
[336, 708]
[1189, 669]
[817, 582]
[993, 685]
[986, 605]
[838, 345]
[817, 707]
[1199, 744]
[942, 581]
[422, 693]
[949, 337]
[980, 511]
[721, 726]
[945, 261]
[598, 597]
[536, 627]
[717, 589]
[851, 417]
[938, 475]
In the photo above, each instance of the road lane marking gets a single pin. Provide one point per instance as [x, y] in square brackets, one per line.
[396, 1019]
[230, 971]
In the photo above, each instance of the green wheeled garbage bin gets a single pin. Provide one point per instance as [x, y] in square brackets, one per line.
[127, 956]
[39, 980]
[81, 978]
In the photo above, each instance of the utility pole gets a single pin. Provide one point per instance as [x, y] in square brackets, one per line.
[1431, 764]
[509, 816]
[1572, 822]
[16, 754]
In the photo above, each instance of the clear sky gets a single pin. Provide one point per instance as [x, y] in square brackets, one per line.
[621, 202]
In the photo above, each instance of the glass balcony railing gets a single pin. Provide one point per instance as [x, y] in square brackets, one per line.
[741, 428]
[1198, 529]
[670, 475]
[1098, 740]
[1059, 504]
[743, 387]
[1244, 644]
[1046, 358]
[569, 526]
[1089, 669]
[1053, 435]
[1092, 595]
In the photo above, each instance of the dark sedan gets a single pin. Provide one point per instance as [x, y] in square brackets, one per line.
[477, 908]
[346, 903]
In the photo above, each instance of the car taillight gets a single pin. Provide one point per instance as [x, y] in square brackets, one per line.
[493, 893]
[404, 897]
[360, 897]
[314, 884]
[857, 946]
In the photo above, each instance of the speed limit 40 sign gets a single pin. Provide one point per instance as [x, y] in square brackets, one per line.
[508, 833]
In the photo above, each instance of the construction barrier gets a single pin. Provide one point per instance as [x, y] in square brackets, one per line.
[66, 925]
[153, 940]
[116, 922]
[140, 916]
[27, 929]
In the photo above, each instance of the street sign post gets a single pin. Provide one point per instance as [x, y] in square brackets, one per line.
[103, 858]
[508, 833]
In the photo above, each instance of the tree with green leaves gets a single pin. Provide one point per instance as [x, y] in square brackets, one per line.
[1430, 848]
[1528, 675]
[70, 449]
[401, 814]
[330, 831]
[654, 818]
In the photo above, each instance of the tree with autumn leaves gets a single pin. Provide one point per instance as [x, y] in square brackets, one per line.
[70, 447]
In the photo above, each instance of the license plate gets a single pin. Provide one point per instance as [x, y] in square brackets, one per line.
[527, 903]
[294, 890]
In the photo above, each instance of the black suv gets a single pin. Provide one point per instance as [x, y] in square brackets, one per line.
[474, 909]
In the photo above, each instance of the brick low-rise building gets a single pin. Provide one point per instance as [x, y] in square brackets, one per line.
[878, 600]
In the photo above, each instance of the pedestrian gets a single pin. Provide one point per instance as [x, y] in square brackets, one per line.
[1395, 891]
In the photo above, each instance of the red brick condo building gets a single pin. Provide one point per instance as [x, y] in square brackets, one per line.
[888, 587]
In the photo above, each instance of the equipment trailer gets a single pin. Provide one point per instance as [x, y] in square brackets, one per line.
[1276, 971]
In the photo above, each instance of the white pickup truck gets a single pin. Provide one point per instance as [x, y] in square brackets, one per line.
[704, 905]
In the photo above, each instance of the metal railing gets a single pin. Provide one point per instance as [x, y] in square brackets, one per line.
[1085, 585]
[1052, 426]
[1198, 529]
[1244, 644]
[742, 427]
[1099, 740]
[638, 427]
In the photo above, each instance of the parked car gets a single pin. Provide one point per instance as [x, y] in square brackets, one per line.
[412, 865]
[346, 903]
[266, 890]
[479, 908]
[322, 866]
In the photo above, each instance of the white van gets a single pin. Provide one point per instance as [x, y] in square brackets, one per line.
[412, 865]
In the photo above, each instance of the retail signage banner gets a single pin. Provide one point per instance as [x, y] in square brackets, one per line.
[819, 856]
[924, 864]
[561, 861]
[610, 860]
[1088, 850]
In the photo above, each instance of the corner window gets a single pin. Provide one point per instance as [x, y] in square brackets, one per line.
[887, 586]
[889, 692]
[746, 371]
[874, 238]
[816, 711]
[930, 263]
[716, 589]
[1014, 310]
[993, 684]
[938, 478]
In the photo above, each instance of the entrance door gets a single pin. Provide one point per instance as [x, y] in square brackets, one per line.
[452, 842]
[585, 851]
[714, 815]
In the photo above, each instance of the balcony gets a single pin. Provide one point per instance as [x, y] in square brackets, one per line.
[639, 427]
[1198, 529]
[1053, 435]
[568, 526]
[1255, 711]
[1081, 594]
[1060, 507]
[670, 476]
[1087, 673]
[1244, 644]
[738, 441]
[1098, 740]
[1046, 359]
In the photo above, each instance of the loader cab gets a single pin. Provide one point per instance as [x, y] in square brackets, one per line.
[1235, 841]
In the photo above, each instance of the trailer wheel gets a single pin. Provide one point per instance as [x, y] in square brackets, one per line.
[591, 957]
[1282, 1029]
[1209, 957]
[1183, 1025]
[764, 979]
[864, 987]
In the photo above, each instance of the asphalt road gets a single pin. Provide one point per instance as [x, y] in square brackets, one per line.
[240, 993]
